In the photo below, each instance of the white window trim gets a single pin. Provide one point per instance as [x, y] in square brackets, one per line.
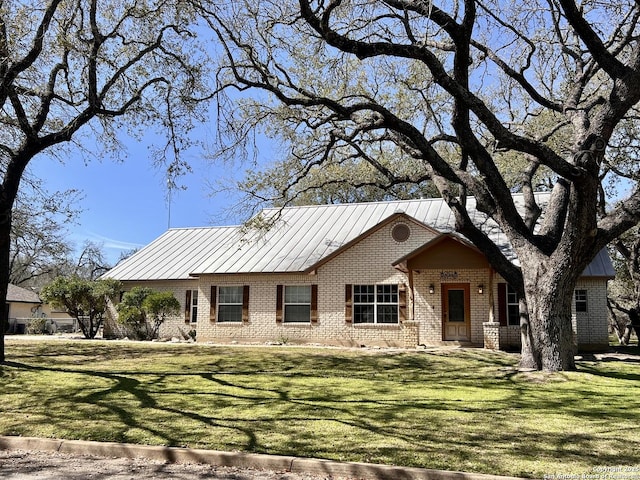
[511, 292]
[285, 304]
[193, 308]
[220, 303]
[584, 301]
[376, 303]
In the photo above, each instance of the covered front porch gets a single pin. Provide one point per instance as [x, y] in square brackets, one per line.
[453, 292]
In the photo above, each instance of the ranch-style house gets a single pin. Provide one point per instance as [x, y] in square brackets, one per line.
[374, 274]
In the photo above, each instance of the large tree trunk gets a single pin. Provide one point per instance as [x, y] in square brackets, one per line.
[8, 193]
[529, 357]
[5, 242]
[549, 340]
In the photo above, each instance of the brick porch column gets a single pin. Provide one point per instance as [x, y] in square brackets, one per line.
[410, 333]
[491, 335]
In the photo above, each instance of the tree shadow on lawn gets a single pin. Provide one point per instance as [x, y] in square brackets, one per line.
[424, 428]
[79, 351]
[594, 370]
[598, 364]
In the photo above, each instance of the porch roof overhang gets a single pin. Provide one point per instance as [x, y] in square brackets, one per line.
[445, 252]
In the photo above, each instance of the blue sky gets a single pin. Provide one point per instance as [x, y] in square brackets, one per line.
[125, 203]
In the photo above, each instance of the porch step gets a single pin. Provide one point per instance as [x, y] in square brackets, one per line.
[453, 343]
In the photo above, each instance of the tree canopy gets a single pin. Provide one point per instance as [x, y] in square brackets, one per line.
[144, 310]
[39, 242]
[85, 300]
[90, 67]
[457, 90]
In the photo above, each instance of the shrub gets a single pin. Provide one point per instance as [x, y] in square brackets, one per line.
[143, 311]
[37, 326]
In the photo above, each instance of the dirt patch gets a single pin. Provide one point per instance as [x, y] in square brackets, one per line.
[37, 465]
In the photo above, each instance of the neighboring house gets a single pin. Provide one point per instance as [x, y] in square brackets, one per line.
[22, 304]
[382, 273]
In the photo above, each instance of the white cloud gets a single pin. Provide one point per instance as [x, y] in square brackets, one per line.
[111, 247]
[112, 243]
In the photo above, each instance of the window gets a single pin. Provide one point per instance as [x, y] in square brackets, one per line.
[581, 301]
[375, 304]
[193, 306]
[513, 308]
[297, 303]
[230, 302]
[508, 306]
[364, 304]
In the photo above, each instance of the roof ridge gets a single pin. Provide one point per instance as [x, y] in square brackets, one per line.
[377, 202]
[201, 227]
[349, 204]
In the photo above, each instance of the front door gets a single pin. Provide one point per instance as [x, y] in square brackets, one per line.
[455, 311]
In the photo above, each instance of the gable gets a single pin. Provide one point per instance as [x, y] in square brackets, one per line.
[391, 242]
[444, 252]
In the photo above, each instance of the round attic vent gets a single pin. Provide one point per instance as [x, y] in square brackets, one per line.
[401, 232]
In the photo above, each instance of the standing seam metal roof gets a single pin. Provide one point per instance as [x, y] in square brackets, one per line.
[300, 238]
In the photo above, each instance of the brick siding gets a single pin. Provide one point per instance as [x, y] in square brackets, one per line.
[366, 262]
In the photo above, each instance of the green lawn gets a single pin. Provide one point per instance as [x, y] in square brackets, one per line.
[456, 409]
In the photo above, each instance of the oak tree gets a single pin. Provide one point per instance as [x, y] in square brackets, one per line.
[624, 294]
[40, 246]
[453, 88]
[91, 67]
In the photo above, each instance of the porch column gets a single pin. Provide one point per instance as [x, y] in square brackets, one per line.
[491, 335]
[410, 334]
[491, 328]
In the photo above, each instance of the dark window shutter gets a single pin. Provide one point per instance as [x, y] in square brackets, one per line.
[502, 304]
[187, 307]
[245, 303]
[402, 301]
[314, 303]
[279, 299]
[348, 303]
[213, 304]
